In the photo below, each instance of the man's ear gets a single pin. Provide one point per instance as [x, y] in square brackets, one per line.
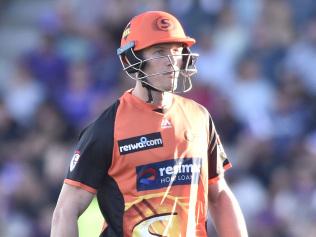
[134, 58]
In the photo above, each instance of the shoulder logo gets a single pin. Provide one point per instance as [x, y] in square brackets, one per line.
[74, 160]
[165, 123]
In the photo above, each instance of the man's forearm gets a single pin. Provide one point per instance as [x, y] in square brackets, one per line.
[64, 225]
[72, 202]
[227, 216]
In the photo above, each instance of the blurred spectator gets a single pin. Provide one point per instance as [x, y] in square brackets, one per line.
[9, 128]
[104, 66]
[229, 126]
[300, 193]
[277, 15]
[48, 66]
[301, 56]
[272, 34]
[49, 117]
[215, 64]
[23, 95]
[252, 98]
[248, 11]
[250, 204]
[302, 11]
[229, 35]
[290, 113]
[78, 96]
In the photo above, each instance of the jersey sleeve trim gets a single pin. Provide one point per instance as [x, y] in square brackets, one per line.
[80, 185]
[215, 179]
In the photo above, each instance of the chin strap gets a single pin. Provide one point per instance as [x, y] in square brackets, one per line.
[149, 90]
[150, 96]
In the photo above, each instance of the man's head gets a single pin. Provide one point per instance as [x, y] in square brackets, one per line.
[155, 50]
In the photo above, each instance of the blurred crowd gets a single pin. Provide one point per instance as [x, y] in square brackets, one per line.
[257, 77]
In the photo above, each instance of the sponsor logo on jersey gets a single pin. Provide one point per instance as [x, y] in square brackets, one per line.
[170, 172]
[74, 160]
[140, 143]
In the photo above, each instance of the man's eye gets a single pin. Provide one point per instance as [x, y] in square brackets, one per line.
[177, 51]
[160, 52]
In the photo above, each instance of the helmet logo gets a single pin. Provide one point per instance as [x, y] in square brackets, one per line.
[127, 31]
[164, 24]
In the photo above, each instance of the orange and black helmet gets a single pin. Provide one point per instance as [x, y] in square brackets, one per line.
[154, 27]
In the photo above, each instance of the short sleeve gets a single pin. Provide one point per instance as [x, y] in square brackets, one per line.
[93, 153]
[217, 158]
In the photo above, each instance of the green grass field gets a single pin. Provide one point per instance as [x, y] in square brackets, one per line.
[91, 221]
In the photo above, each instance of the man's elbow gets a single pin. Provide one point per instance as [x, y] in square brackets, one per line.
[62, 215]
[217, 190]
[58, 217]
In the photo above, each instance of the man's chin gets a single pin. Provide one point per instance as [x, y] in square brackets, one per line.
[167, 89]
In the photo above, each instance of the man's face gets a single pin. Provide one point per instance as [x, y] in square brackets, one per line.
[167, 63]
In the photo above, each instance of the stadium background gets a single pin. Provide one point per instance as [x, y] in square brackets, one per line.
[257, 76]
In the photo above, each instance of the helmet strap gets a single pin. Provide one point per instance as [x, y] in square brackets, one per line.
[150, 96]
[149, 89]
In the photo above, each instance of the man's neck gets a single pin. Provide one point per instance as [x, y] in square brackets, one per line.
[161, 99]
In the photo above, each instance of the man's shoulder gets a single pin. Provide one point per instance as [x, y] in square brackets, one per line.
[109, 112]
[190, 103]
[104, 121]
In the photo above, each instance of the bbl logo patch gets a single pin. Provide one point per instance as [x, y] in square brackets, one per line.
[74, 160]
[140, 143]
[170, 172]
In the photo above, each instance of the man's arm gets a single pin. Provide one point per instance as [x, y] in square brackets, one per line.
[72, 202]
[226, 213]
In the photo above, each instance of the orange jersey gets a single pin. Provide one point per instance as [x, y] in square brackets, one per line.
[150, 168]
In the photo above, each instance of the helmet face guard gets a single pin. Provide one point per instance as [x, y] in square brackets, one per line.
[134, 67]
